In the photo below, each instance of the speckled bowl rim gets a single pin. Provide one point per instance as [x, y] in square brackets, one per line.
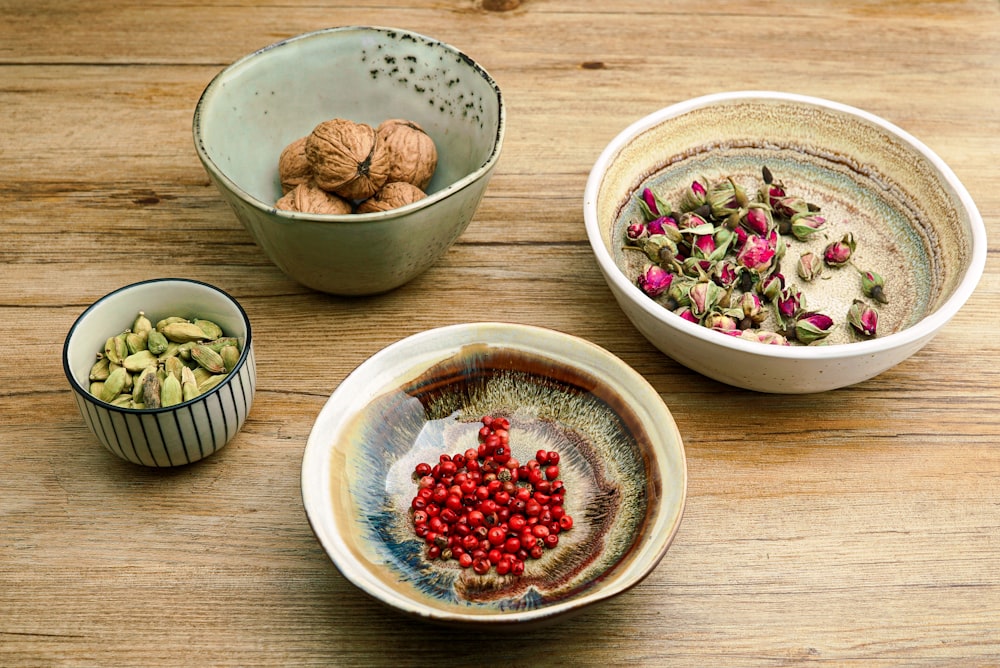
[85, 392]
[316, 461]
[250, 60]
[918, 331]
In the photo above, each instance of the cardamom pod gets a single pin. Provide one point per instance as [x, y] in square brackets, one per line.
[113, 352]
[96, 388]
[173, 349]
[151, 390]
[189, 386]
[168, 321]
[208, 359]
[138, 383]
[156, 343]
[230, 356]
[136, 362]
[184, 350]
[135, 342]
[212, 330]
[201, 375]
[114, 385]
[173, 367]
[218, 344]
[182, 332]
[170, 392]
[141, 324]
[122, 401]
[100, 370]
[211, 382]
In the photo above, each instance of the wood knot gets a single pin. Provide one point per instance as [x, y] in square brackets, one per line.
[593, 65]
[501, 5]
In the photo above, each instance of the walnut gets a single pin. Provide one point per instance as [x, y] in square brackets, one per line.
[412, 154]
[310, 198]
[293, 166]
[347, 158]
[392, 196]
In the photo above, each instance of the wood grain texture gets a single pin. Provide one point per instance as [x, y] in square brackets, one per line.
[856, 527]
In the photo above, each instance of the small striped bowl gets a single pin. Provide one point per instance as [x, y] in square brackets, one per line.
[183, 433]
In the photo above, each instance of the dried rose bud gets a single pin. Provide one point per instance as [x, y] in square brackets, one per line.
[809, 266]
[704, 296]
[863, 318]
[703, 246]
[873, 286]
[654, 280]
[677, 295]
[758, 220]
[721, 322]
[636, 232]
[789, 304]
[777, 242]
[725, 197]
[725, 273]
[693, 223]
[764, 336]
[789, 205]
[659, 248]
[659, 225]
[813, 327]
[686, 314]
[753, 308]
[652, 205]
[756, 254]
[772, 285]
[740, 236]
[838, 253]
[694, 197]
[804, 225]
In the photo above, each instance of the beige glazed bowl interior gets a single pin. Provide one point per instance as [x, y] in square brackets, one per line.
[263, 102]
[914, 222]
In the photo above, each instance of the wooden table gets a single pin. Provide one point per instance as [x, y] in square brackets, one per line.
[856, 527]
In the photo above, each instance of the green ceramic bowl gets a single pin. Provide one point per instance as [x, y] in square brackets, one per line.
[261, 103]
[622, 462]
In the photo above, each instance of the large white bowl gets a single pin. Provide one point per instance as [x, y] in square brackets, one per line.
[622, 461]
[179, 434]
[264, 101]
[927, 230]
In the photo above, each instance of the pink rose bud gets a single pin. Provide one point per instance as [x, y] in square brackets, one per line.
[756, 254]
[704, 296]
[772, 285]
[693, 197]
[789, 205]
[654, 280]
[863, 318]
[652, 206]
[660, 225]
[809, 266]
[838, 253]
[686, 314]
[804, 225]
[636, 232]
[722, 323]
[758, 221]
[789, 304]
[812, 327]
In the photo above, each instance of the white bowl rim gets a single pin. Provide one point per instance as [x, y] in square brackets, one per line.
[315, 460]
[920, 330]
[85, 392]
[327, 219]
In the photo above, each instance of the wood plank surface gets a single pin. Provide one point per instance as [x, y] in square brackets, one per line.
[855, 527]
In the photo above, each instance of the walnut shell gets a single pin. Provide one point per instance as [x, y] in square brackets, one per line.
[293, 166]
[347, 158]
[412, 153]
[392, 196]
[310, 198]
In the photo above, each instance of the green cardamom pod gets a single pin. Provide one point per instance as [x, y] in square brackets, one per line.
[189, 386]
[168, 321]
[136, 362]
[135, 342]
[151, 390]
[170, 392]
[122, 401]
[211, 382]
[201, 375]
[114, 385]
[100, 370]
[182, 332]
[212, 330]
[208, 359]
[173, 367]
[184, 350]
[141, 324]
[156, 343]
[230, 356]
[140, 381]
[96, 388]
[218, 344]
[173, 349]
[112, 352]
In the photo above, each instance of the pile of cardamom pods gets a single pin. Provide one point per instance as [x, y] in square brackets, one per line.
[149, 366]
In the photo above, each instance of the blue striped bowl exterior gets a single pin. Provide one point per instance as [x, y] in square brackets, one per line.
[179, 434]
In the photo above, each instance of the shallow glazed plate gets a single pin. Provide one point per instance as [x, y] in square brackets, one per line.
[622, 461]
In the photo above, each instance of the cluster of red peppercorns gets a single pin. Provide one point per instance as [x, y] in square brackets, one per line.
[487, 510]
